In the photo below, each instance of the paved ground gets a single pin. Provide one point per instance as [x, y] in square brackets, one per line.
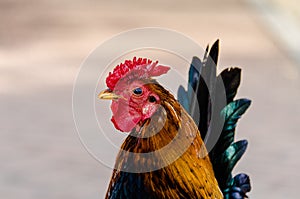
[42, 44]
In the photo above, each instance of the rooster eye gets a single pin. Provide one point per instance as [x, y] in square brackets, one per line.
[137, 91]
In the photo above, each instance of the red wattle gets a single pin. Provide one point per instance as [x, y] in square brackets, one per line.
[122, 118]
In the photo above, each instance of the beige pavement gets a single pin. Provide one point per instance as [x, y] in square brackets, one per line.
[43, 43]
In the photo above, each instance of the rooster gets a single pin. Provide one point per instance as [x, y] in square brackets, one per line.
[164, 155]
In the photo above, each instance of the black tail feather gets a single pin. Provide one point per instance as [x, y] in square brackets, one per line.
[203, 89]
[231, 78]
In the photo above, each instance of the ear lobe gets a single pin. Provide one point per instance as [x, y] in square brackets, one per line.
[149, 109]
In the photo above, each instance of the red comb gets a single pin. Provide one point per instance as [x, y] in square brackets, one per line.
[139, 68]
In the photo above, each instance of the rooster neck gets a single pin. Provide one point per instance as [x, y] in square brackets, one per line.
[159, 130]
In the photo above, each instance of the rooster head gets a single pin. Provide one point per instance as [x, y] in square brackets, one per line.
[133, 100]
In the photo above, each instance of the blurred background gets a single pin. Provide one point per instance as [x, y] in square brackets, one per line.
[43, 43]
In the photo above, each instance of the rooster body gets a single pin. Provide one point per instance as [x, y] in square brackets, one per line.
[190, 176]
[164, 155]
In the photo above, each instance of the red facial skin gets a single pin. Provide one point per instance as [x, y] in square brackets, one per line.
[131, 109]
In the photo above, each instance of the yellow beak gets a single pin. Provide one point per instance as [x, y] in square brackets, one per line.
[108, 95]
